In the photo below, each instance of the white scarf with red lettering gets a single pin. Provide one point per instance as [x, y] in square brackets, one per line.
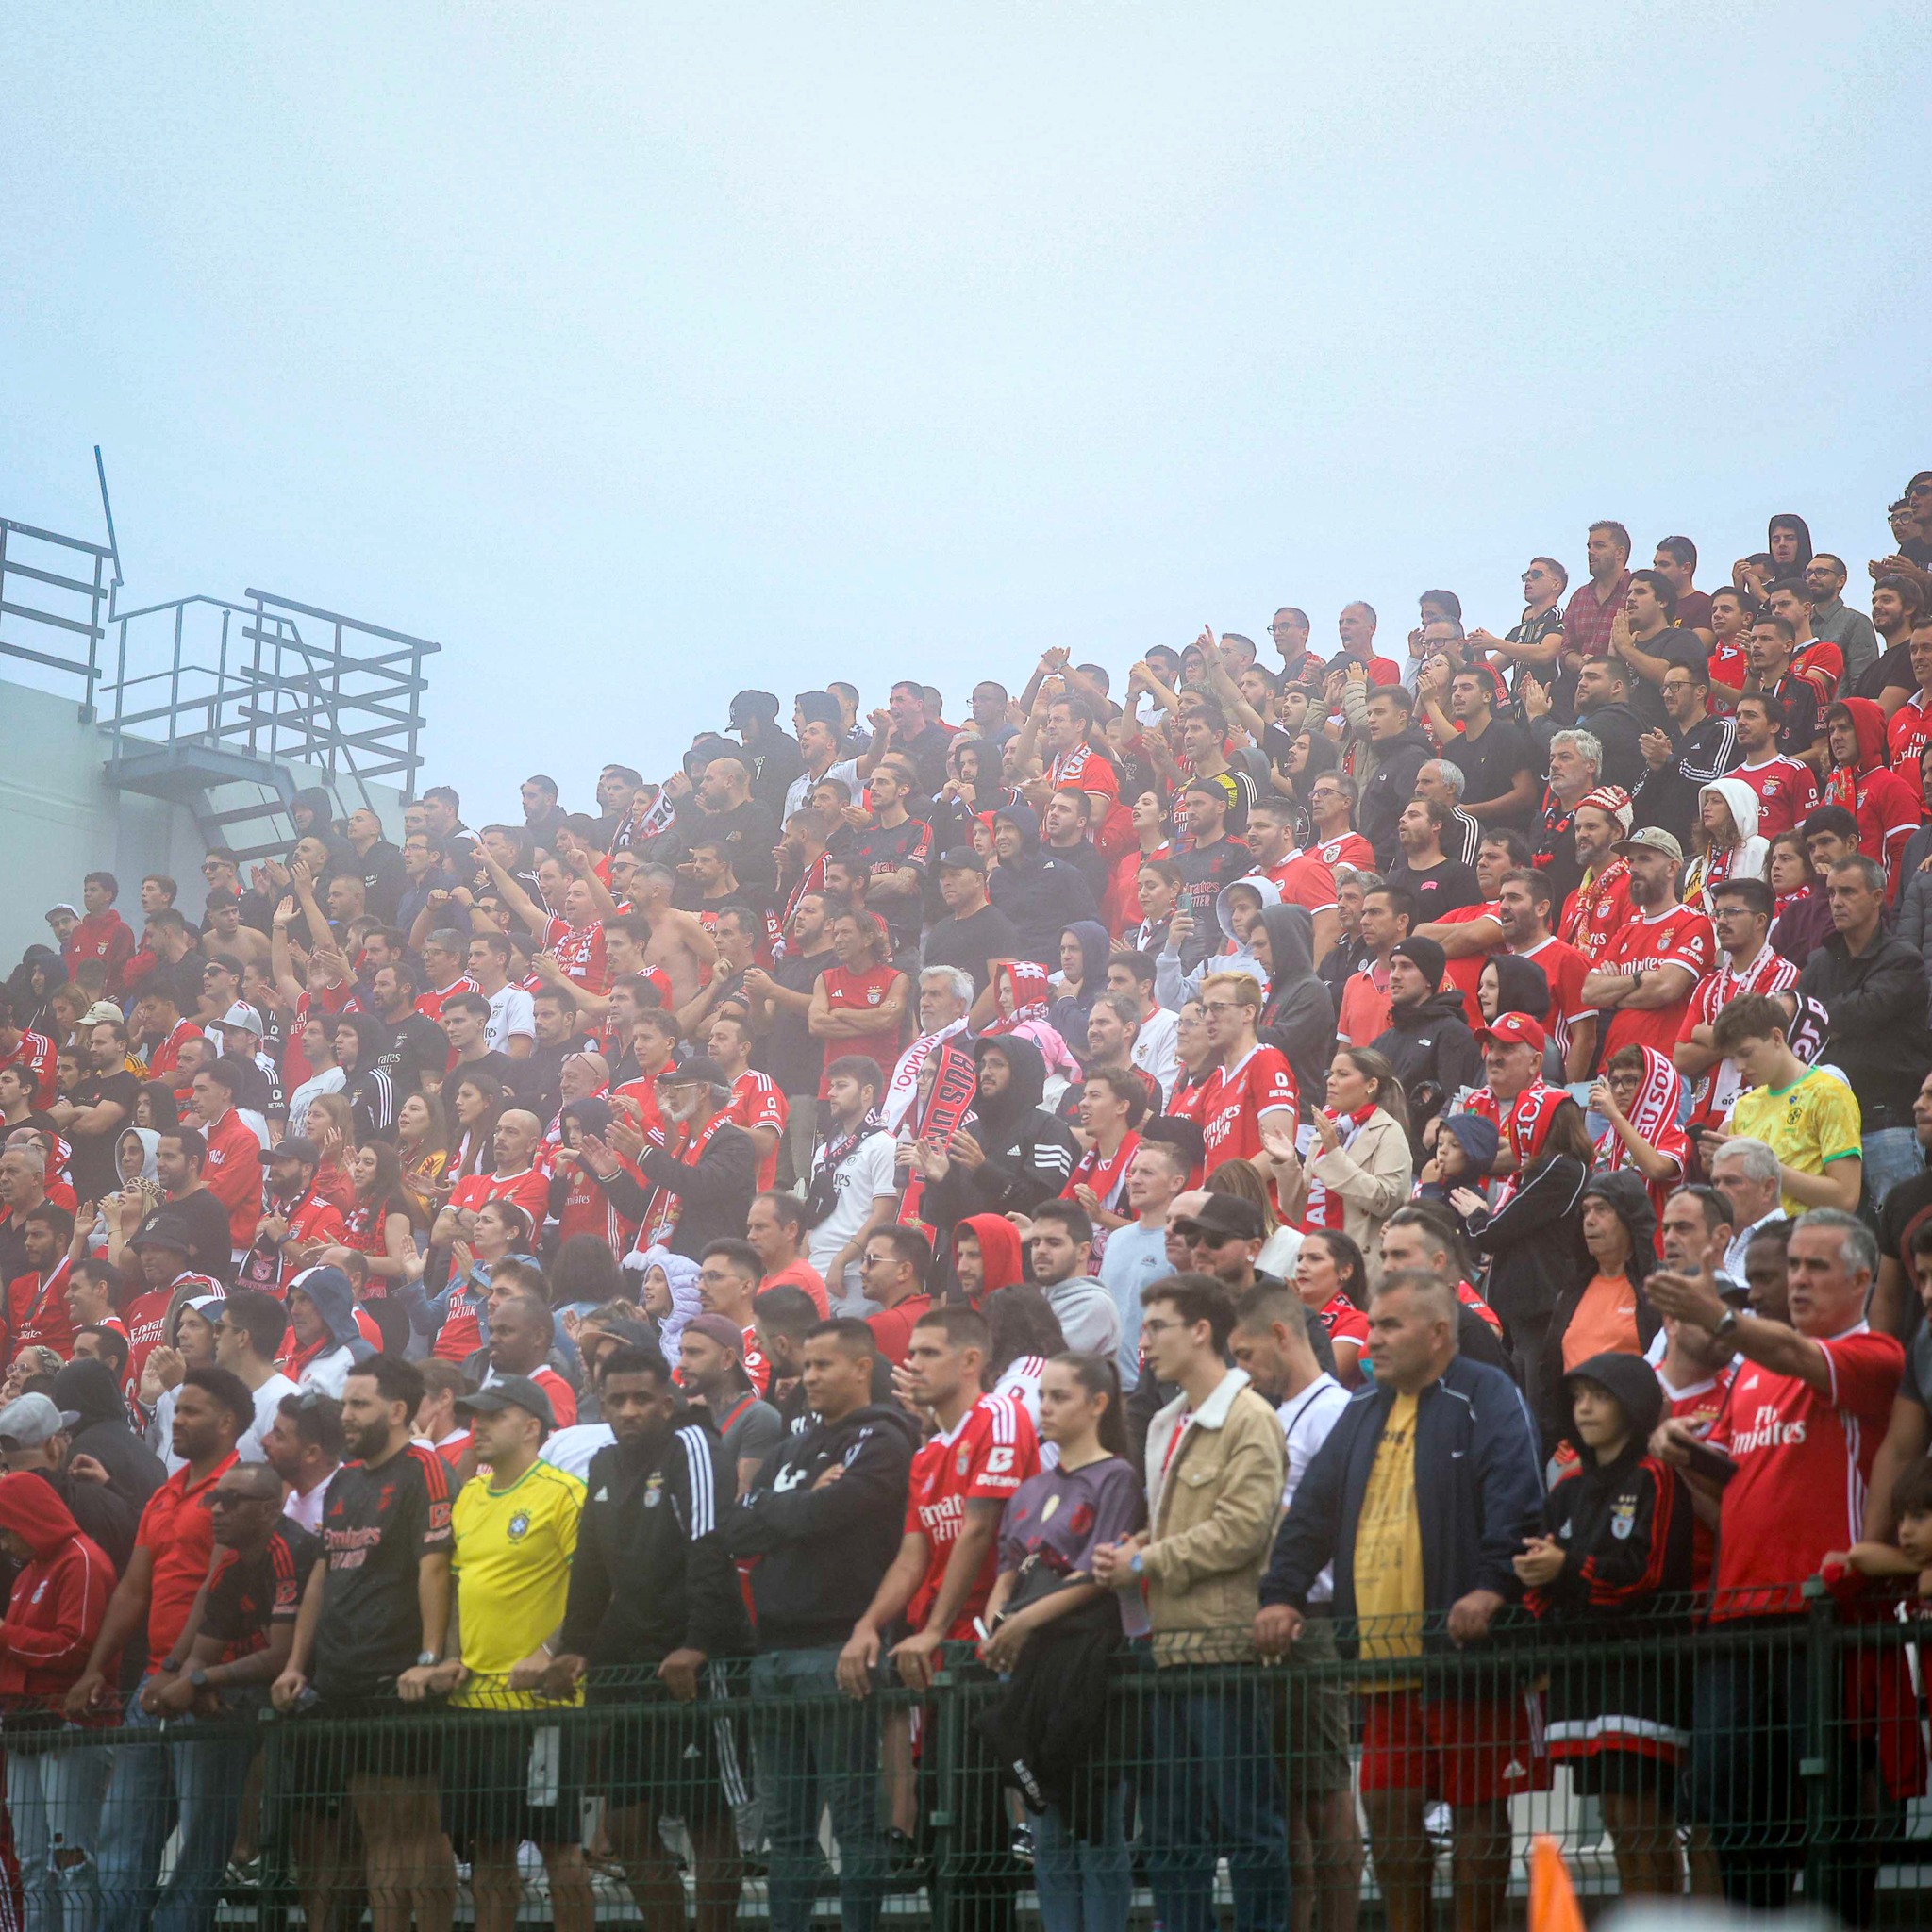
[1325, 1208]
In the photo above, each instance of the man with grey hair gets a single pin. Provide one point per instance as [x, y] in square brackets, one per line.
[1575, 760]
[1746, 1171]
[1442, 784]
[945, 998]
[1806, 1413]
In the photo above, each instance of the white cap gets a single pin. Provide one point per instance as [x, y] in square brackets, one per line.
[243, 1014]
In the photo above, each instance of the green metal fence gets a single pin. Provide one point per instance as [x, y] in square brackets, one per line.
[1765, 1757]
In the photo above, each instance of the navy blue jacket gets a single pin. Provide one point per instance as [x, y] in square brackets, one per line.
[1478, 1482]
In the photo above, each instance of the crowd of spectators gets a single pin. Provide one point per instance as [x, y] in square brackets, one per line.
[1254, 1155]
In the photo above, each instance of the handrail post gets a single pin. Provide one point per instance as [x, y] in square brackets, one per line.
[94, 649]
[174, 678]
[1831, 1811]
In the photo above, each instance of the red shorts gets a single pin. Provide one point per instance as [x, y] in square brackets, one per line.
[1460, 1751]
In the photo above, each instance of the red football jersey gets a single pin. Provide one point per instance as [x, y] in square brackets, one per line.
[38, 1055]
[430, 1005]
[1234, 1099]
[1786, 791]
[1677, 938]
[1305, 878]
[1566, 969]
[1804, 1461]
[1700, 1404]
[529, 1189]
[579, 951]
[985, 1459]
[755, 1101]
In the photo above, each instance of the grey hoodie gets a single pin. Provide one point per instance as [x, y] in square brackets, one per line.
[1174, 988]
[1089, 1316]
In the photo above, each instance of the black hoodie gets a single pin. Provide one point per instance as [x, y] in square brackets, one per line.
[1298, 1018]
[652, 1573]
[1041, 895]
[1434, 1054]
[1030, 1155]
[1389, 788]
[825, 1550]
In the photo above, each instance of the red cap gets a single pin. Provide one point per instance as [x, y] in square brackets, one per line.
[1514, 1029]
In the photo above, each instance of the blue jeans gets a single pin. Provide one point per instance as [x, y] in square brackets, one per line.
[810, 1757]
[192, 1783]
[1892, 1154]
[1083, 1888]
[1213, 1790]
[54, 1797]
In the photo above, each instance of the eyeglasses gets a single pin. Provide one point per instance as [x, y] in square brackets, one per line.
[1221, 1006]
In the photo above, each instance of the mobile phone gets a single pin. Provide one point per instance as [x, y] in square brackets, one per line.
[1710, 1463]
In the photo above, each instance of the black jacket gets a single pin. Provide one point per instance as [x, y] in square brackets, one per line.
[1879, 1039]
[1030, 1155]
[652, 1573]
[1535, 1243]
[714, 1193]
[1478, 1493]
[1391, 788]
[1619, 730]
[1434, 1054]
[1041, 895]
[1298, 1018]
[1668, 796]
[825, 1550]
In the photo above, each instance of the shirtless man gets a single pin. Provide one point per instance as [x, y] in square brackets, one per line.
[224, 933]
[678, 947]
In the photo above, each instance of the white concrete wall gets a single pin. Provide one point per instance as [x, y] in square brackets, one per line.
[60, 819]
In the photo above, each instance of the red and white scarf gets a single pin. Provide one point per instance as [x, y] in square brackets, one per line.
[1325, 1208]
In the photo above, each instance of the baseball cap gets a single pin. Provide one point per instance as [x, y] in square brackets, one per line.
[962, 859]
[63, 907]
[1652, 838]
[1514, 1029]
[102, 1011]
[243, 1014]
[28, 1421]
[1425, 956]
[509, 1391]
[1226, 1218]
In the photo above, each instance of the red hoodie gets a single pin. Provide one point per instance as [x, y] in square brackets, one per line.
[1888, 809]
[104, 936]
[59, 1599]
[999, 1251]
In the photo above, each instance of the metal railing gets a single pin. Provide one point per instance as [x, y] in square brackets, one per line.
[1749, 1759]
[273, 679]
[55, 590]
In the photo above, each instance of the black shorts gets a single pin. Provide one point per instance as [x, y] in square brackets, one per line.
[1622, 1774]
[510, 1775]
[360, 1737]
[684, 1760]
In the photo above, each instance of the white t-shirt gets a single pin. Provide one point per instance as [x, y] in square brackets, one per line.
[305, 1505]
[330, 1373]
[511, 1013]
[268, 1399]
[330, 1080]
[571, 1449]
[1305, 1420]
[844, 769]
[866, 1172]
[1156, 1052]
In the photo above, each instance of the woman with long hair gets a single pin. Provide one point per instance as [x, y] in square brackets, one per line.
[1357, 1168]
[423, 1147]
[65, 1005]
[155, 1108]
[1026, 1334]
[367, 1088]
[446, 1301]
[331, 1124]
[1331, 1276]
[1281, 1243]
[380, 1224]
[475, 1105]
[583, 1275]
[1047, 1615]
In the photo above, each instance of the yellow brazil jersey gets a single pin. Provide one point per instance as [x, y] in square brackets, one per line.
[513, 1551]
[1389, 1596]
[1807, 1124]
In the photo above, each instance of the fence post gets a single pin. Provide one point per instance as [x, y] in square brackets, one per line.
[949, 1741]
[1831, 1811]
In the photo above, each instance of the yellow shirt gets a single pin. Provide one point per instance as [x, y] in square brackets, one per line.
[1807, 1124]
[1389, 1545]
[513, 1551]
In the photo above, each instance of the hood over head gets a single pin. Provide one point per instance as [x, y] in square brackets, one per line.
[1739, 800]
[1026, 822]
[1801, 527]
[1633, 1382]
[319, 804]
[30, 1508]
[999, 1250]
[86, 1389]
[334, 1297]
[820, 707]
[1521, 986]
[148, 1140]
[1290, 931]
[1259, 881]
[592, 1113]
[1868, 720]
[1628, 1195]
[1025, 1083]
[682, 1277]
[1476, 1135]
[1094, 948]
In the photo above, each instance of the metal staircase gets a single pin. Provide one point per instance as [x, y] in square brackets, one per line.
[224, 708]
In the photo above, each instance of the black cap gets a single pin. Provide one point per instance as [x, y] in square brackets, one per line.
[701, 1072]
[962, 859]
[1228, 1218]
[1425, 956]
[165, 1231]
[509, 1391]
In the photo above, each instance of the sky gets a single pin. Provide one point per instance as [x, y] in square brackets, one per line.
[639, 355]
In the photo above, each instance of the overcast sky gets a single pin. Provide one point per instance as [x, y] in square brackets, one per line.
[641, 353]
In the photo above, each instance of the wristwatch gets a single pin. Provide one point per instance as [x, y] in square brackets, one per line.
[425, 1659]
[198, 1677]
[1727, 1328]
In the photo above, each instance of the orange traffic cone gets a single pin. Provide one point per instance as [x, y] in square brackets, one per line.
[1553, 1905]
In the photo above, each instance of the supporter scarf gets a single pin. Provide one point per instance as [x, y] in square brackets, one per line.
[658, 819]
[1324, 1205]
[665, 1205]
[1027, 982]
[904, 1089]
[1524, 1124]
[1106, 1175]
[1595, 907]
[955, 1084]
[813, 879]
[1653, 1114]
